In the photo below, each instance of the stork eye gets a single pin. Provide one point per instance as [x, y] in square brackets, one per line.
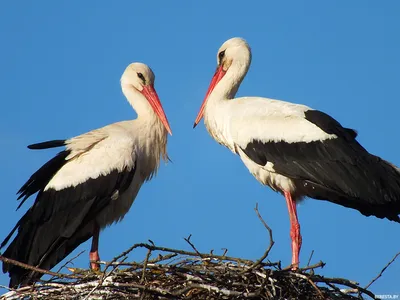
[221, 55]
[141, 77]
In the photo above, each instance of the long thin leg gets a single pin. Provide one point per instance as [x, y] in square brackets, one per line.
[94, 251]
[294, 230]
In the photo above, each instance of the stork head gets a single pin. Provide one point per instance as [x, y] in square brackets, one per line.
[233, 56]
[139, 79]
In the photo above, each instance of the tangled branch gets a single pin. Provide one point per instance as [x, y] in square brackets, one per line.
[167, 273]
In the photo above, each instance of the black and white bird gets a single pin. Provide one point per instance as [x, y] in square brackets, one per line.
[90, 184]
[295, 150]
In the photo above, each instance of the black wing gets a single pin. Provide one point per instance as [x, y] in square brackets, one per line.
[339, 170]
[58, 221]
[329, 124]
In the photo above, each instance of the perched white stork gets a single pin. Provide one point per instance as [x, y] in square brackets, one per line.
[295, 150]
[91, 184]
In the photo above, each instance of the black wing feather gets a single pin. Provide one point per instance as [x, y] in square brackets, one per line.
[58, 221]
[37, 182]
[41, 177]
[329, 124]
[339, 170]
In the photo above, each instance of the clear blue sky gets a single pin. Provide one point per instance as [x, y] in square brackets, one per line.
[60, 64]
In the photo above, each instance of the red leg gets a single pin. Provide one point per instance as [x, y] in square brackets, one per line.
[94, 252]
[294, 230]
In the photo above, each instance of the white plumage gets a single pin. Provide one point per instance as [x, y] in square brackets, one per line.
[92, 183]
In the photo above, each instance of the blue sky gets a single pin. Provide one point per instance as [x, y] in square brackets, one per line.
[60, 64]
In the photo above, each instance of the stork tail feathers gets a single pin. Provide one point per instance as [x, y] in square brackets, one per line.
[47, 145]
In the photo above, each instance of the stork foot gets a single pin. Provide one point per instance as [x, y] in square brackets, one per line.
[94, 256]
[94, 250]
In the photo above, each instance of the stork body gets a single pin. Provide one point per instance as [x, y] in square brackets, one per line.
[90, 184]
[297, 151]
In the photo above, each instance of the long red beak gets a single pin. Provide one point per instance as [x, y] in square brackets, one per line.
[219, 73]
[150, 93]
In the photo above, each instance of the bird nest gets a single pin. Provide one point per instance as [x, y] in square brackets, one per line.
[167, 273]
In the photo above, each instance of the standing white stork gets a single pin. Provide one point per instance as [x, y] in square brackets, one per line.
[91, 184]
[294, 149]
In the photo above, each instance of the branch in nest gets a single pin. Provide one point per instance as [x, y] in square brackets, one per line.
[383, 270]
[32, 268]
[271, 240]
[180, 274]
[188, 277]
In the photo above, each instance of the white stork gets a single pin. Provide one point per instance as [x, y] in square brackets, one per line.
[295, 150]
[91, 184]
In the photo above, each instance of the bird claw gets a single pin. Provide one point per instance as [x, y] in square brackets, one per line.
[94, 258]
[292, 267]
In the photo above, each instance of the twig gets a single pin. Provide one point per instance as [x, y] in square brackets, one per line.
[32, 268]
[183, 252]
[271, 240]
[103, 278]
[309, 259]
[210, 288]
[6, 287]
[311, 282]
[383, 270]
[161, 258]
[145, 266]
[317, 278]
[193, 247]
[319, 264]
[70, 261]
[272, 285]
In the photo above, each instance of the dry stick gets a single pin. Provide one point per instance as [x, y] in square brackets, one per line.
[335, 288]
[320, 264]
[383, 270]
[309, 259]
[69, 261]
[271, 241]
[158, 259]
[311, 282]
[152, 289]
[145, 266]
[119, 256]
[317, 278]
[211, 288]
[32, 268]
[103, 277]
[193, 247]
[118, 263]
[349, 291]
[6, 287]
[183, 252]
[161, 258]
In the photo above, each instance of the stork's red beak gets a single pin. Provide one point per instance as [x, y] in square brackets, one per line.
[150, 93]
[219, 73]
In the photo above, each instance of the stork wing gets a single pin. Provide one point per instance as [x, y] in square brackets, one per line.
[73, 188]
[328, 162]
